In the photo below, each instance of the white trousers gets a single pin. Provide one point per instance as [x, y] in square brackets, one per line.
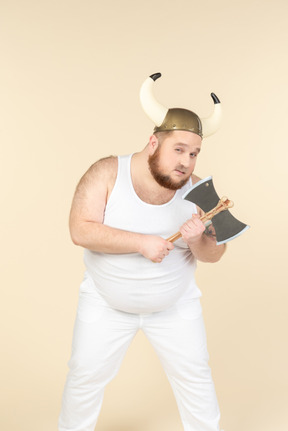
[101, 338]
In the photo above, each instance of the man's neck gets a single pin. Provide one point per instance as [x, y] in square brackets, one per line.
[145, 186]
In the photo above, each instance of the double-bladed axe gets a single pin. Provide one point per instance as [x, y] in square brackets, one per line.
[204, 195]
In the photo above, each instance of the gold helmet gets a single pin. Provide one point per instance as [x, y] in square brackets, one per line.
[177, 118]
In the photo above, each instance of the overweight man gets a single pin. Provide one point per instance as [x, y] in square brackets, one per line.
[123, 211]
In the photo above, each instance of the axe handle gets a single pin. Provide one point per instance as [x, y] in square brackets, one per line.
[174, 237]
[222, 205]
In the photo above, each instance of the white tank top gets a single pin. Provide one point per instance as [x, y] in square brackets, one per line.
[130, 282]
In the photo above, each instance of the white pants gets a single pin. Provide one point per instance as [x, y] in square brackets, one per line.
[101, 338]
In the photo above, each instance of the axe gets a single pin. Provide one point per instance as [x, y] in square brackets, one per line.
[204, 195]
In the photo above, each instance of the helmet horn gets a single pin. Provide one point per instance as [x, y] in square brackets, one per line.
[211, 124]
[153, 109]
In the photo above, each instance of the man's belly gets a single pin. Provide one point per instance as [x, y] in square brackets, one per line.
[134, 284]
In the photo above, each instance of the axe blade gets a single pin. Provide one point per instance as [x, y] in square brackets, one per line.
[227, 227]
[204, 195]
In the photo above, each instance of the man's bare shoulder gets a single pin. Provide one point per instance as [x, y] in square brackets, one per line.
[101, 175]
[107, 165]
[104, 169]
[195, 179]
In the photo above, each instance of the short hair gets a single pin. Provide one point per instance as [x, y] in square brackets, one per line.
[161, 136]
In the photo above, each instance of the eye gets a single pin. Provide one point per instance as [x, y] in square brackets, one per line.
[193, 155]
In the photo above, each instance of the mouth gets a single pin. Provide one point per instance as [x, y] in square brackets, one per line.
[179, 172]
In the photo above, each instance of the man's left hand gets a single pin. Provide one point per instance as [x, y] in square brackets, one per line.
[192, 230]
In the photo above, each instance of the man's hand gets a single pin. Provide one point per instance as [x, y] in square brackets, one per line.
[155, 248]
[203, 247]
[192, 230]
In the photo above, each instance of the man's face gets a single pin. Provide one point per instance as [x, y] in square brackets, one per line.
[174, 159]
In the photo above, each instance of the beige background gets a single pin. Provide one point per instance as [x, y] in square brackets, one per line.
[70, 78]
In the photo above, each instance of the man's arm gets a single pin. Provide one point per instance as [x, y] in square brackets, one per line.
[87, 215]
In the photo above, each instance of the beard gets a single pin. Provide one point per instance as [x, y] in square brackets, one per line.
[162, 179]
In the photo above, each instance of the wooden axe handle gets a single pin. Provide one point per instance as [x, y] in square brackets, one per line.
[222, 205]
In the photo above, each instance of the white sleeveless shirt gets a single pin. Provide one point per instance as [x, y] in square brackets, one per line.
[130, 282]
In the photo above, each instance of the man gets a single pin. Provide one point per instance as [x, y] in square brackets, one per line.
[122, 211]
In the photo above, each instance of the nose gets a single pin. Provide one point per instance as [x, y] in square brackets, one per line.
[185, 160]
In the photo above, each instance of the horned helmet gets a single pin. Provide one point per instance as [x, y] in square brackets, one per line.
[177, 118]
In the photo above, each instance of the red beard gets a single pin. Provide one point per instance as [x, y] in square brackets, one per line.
[164, 180]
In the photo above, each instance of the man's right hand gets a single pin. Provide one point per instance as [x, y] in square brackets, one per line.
[155, 248]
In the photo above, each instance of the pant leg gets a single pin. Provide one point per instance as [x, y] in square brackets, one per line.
[100, 340]
[178, 336]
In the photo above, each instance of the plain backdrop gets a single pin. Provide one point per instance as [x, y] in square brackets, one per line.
[70, 76]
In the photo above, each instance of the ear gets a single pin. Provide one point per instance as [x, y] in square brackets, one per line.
[153, 144]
